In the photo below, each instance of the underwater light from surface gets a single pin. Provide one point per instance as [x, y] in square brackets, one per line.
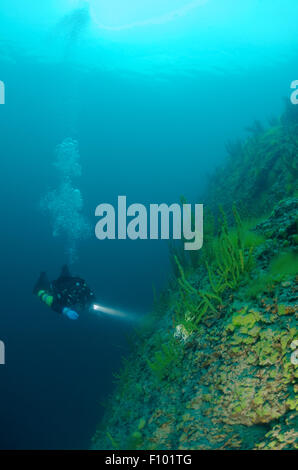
[117, 15]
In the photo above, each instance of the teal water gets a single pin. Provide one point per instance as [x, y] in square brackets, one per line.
[151, 93]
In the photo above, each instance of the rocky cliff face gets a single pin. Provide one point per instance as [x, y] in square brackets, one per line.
[215, 366]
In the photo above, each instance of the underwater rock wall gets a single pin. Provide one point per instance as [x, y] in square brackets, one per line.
[259, 171]
[215, 365]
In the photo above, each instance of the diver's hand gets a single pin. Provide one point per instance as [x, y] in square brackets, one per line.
[71, 314]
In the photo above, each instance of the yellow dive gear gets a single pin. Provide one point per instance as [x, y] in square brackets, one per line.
[46, 298]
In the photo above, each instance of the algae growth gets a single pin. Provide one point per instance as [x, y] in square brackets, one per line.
[215, 365]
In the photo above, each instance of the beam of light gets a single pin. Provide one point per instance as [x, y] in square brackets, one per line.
[101, 310]
[166, 18]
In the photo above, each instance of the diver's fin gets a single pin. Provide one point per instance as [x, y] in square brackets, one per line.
[42, 284]
[65, 271]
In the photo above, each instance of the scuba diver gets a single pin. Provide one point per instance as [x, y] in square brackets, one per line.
[65, 295]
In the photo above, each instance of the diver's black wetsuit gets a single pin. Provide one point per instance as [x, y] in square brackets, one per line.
[67, 291]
